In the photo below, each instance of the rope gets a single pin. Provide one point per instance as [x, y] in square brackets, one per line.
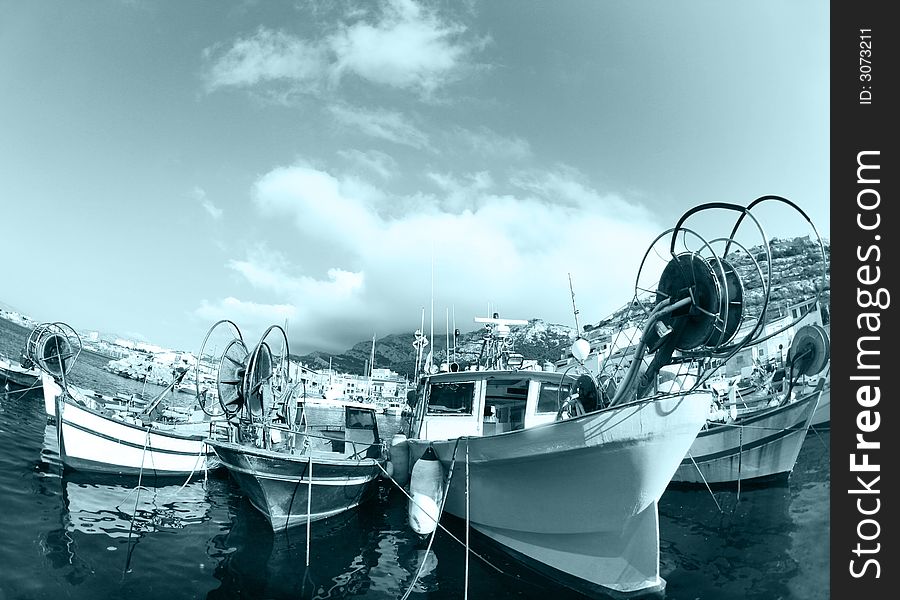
[447, 531]
[740, 460]
[137, 498]
[466, 583]
[9, 392]
[309, 508]
[709, 489]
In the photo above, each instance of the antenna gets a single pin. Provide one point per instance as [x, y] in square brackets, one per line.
[574, 308]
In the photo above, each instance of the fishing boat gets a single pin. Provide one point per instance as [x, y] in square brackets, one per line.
[293, 468]
[564, 473]
[93, 436]
[18, 374]
[759, 438]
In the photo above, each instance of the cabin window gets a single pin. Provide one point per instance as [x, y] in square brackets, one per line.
[451, 398]
[551, 397]
[356, 418]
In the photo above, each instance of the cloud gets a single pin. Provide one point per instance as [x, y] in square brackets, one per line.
[408, 47]
[383, 124]
[200, 196]
[374, 161]
[491, 144]
[399, 44]
[267, 56]
[356, 267]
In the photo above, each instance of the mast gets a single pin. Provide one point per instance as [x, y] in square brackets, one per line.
[574, 309]
[371, 367]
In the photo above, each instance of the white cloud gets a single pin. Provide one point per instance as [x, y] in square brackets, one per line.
[267, 56]
[374, 161]
[200, 196]
[384, 124]
[243, 311]
[400, 44]
[491, 144]
[374, 270]
[409, 47]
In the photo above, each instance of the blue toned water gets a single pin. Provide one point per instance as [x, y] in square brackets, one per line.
[64, 535]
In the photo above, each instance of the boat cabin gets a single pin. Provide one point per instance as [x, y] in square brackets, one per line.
[486, 403]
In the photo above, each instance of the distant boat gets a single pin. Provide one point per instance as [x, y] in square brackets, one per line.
[95, 437]
[758, 437]
[760, 444]
[293, 470]
[394, 408]
[17, 374]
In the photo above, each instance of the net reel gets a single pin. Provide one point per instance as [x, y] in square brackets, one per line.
[247, 382]
[698, 299]
[53, 348]
[229, 370]
[267, 382]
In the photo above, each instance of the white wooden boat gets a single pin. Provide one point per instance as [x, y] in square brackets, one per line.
[94, 438]
[763, 443]
[575, 499]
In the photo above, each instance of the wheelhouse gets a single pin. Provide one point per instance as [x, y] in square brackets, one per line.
[486, 403]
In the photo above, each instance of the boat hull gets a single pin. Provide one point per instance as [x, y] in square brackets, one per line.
[821, 419]
[15, 375]
[280, 487]
[576, 498]
[92, 441]
[764, 444]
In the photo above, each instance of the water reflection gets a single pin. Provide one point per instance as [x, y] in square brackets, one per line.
[358, 553]
[747, 546]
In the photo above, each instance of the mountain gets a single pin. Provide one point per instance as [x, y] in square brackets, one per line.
[796, 263]
[536, 340]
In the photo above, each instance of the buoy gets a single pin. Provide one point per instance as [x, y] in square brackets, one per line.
[400, 458]
[427, 492]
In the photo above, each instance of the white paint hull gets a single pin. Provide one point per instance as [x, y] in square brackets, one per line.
[92, 441]
[762, 444]
[577, 498]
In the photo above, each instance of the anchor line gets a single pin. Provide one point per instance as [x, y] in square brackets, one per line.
[709, 489]
[447, 531]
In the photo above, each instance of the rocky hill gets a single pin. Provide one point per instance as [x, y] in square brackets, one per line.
[536, 340]
[795, 261]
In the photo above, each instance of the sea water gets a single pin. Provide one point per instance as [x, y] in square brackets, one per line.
[68, 535]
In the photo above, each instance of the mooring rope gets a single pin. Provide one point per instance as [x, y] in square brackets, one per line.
[709, 489]
[9, 392]
[466, 581]
[445, 530]
[137, 498]
[309, 508]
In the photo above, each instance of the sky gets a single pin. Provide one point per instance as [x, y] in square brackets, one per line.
[340, 167]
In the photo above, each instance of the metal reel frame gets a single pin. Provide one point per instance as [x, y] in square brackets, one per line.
[204, 402]
[258, 384]
[67, 345]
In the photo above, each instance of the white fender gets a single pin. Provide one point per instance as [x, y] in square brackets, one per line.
[427, 492]
[399, 458]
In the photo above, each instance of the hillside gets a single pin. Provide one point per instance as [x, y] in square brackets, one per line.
[795, 261]
[537, 340]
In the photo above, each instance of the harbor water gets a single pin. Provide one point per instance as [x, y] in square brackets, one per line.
[70, 535]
